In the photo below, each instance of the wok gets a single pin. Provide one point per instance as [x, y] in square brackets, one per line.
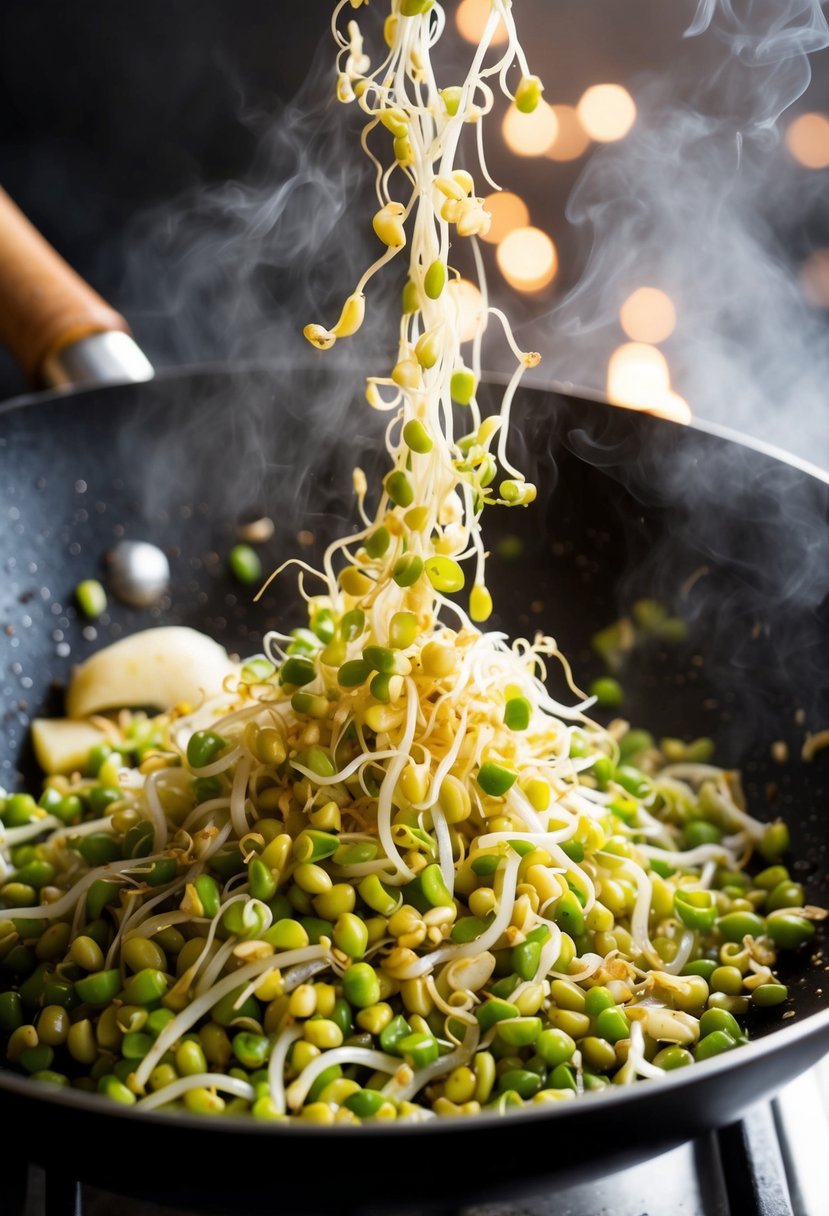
[731, 537]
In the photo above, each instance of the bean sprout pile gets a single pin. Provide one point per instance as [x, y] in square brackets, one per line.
[385, 875]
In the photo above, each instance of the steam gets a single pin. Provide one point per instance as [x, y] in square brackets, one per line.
[698, 201]
[227, 275]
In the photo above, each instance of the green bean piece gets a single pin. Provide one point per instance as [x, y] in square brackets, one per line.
[53, 1025]
[597, 999]
[116, 1091]
[145, 987]
[696, 909]
[19, 810]
[518, 1032]
[245, 564]
[521, 1081]
[225, 1012]
[517, 713]
[393, 1034]
[491, 1011]
[496, 779]
[608, 692]
[785, 895]
[11, 1011]
[704, 967]
[418, 1050]
[361, 985]
[135, 1045]
[36, 1059]
[407, 569]
[673, 1057]
[399, 489]
[316, 928]
[719, 1019]
[99, 988]
[351, 935]
[699, 832]
[297, 672]
[563, 1077]
[774, 841]
[736, 925]
[365, 1103]
[36, 874]
[569, 915]
[91, 598]
[789, 931]
[597, 1053]
[714, 1044]
[611, 1024]
[157, 1020]
[766, 995]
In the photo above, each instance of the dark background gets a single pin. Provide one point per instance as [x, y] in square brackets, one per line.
[111, 114]
[108, 110]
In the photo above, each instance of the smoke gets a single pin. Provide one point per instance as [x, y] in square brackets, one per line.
[702, 201]
[229, 274]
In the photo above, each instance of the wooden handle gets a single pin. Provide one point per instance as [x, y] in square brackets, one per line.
[44, 304]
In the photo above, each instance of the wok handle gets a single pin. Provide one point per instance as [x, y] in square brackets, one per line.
[57, 327]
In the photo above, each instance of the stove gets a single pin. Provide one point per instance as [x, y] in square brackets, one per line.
[775, 1162]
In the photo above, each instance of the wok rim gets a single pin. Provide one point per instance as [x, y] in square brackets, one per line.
[812, 1026]
[565, 388]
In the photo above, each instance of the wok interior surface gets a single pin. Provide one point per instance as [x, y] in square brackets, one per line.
[733, 541]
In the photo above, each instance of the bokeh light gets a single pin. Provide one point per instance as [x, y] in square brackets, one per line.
[530, 134]
[814, 278]
[471, 18]
[648, 315]
[571, 140]
[508, 212]
[470, 305]
[807, 139]
[607, 112]
[638, 377]
[674, 407]
[527, 259]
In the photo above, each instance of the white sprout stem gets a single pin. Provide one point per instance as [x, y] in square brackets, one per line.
[366, 1057]
[276, 1065]
[188, 1017]
[9, 837]
[636, 1056]
[201, 1080]
[157, 816]
[238, 794]
[393, 772]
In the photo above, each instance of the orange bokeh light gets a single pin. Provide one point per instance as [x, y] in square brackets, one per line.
[814, 278]
[648, 315]
[607, 112]
[470, 305]
[571, 140]
[508, 212]
[471, 19]
[530, 134]
[638, 376]
[527, 259]
[807, 139]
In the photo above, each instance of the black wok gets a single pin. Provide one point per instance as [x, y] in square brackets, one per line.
[622, 515]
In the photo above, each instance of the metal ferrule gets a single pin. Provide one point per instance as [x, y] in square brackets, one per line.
[105, 358]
